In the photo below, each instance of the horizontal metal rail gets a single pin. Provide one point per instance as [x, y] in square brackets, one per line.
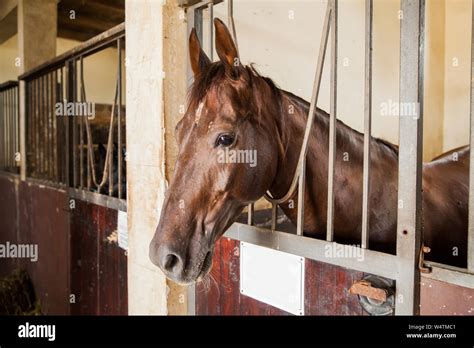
[373, 262]
[9, 127]
[61, 149]
[84, 49]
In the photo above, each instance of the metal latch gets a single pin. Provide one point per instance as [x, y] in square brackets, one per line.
[365, 288]
[421, 264]
[376, 294]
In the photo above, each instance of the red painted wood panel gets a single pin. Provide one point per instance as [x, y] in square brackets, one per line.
[8, 219]
[326, 288]
[99, 266]
[441, 298]
[44, 221]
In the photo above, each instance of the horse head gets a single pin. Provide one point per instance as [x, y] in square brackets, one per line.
[226, 158]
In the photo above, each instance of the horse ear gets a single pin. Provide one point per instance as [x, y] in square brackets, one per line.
[197, 56]
[226, 49]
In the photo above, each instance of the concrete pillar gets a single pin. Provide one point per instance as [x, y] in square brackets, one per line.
[37, 31]
[147, 289]
[434, 78]
[175, 58]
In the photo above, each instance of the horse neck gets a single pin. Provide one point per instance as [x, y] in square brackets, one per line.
[291, 125]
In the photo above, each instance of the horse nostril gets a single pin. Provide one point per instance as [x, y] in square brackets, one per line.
[171, 260]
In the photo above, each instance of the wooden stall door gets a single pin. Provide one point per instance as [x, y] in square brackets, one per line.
[98, 264]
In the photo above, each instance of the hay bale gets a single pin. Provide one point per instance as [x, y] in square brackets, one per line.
[17, 295]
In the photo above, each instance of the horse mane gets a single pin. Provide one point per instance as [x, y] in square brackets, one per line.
[214, 73]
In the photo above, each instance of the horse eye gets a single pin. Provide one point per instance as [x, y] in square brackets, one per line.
[225, 140]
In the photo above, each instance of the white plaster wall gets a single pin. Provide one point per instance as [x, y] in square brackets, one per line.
[283, 37]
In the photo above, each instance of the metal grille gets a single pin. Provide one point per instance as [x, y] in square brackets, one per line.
[402, 267]
[9, 127]
[63, 141]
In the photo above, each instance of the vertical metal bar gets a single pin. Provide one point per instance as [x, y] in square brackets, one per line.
[210, 52]
[367, 124]
[250, 214]
[332, 124]
[22, 114]
[2, 117]
[470, 238]
[42, 127]
[119, 119]
[17, 149]
[7, 128]
[81, 134]
[28, 124]
[55, 126]
[74, 126]
[274, 216]
[34, 116]
[111, 157]
[9, 125]
[231, 23]
[13, 108]
[301, 196]
[38, 127]
[410, 158]
[2, 142]
[62, 134]
[198, 23]
[69, 81]
[49, 138]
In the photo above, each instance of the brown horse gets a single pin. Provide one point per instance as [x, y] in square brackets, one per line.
[233, 111]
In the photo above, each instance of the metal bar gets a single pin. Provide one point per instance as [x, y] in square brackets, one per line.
[301, 196]
[230, 22]
[6, 117]
[2, 122]
[373, 262]
[69, 142]
[119, 119]
[8, 127]
[367, 124]
[210, 29]
[470, 236]
[191, 310]
[42, 128]
[198, 23]
[98, 199]
[2, 129]
[49, 143]
[74, 126]
[332, 124]
[56, 126]
[14, 134]
[449, 274]
[81, 135]
[312, 109]
[34, 149]
[274, 216]
[250, 214]
[110, 143]
[84, 49]
[410, 158]
[28, 106]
